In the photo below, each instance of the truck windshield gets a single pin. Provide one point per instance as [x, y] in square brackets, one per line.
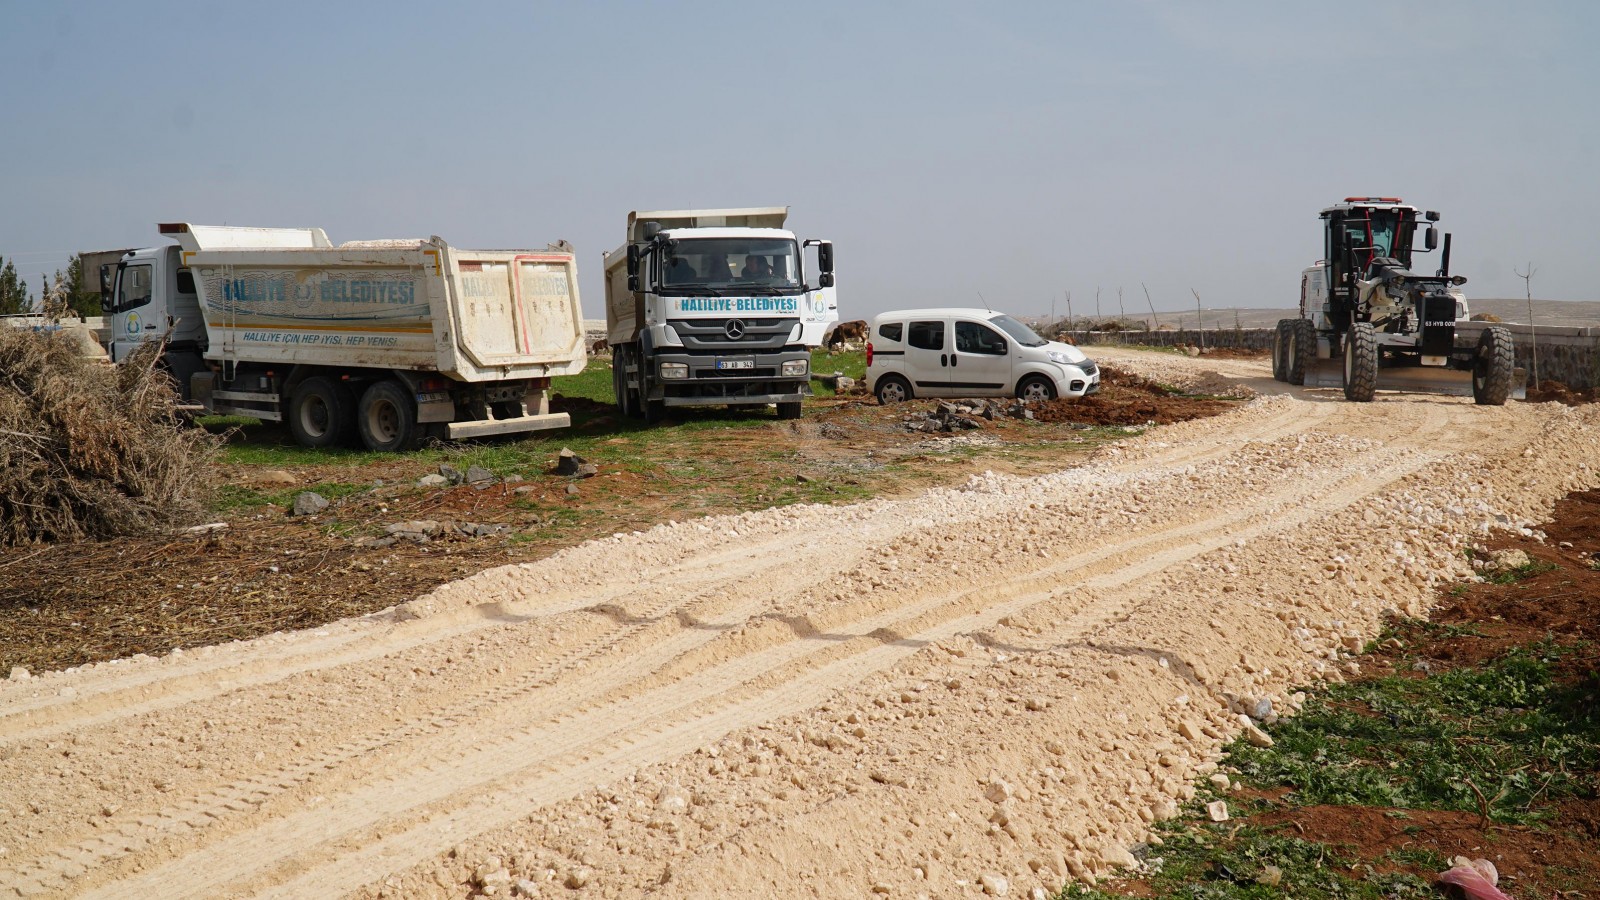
[729, 265]
[1019, 332]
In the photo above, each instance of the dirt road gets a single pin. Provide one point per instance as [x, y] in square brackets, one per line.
[991, 688]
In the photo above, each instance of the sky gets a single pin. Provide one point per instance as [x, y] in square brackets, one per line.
[1011, 152]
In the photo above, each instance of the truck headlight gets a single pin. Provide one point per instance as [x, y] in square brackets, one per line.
[796, 366]
[674, 370]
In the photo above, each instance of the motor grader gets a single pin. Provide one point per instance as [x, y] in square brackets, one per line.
[1369, 323]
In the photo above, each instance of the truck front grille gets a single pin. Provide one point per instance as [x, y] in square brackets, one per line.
[711, 335]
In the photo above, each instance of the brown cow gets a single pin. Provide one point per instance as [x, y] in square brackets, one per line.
[598, 347]
[847, 331]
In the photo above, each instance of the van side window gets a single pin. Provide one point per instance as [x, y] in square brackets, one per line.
[974, 338]
[892, 331]
[926, 335]
[134, 291]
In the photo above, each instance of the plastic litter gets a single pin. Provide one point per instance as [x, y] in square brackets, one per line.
[1472, 879]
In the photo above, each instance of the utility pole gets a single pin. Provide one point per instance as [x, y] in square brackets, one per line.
[1070, 323]
[1097, 307]
[1533, 343]
[1122, 311]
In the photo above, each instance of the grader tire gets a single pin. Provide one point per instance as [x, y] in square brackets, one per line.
[1360, 363]
[1492, 370]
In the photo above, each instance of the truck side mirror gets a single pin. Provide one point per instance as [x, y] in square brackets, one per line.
[826, 279]
[633, 260]
[633, 283]
[651, 229]
[825, 259]
[1430, 238]
[105, 279]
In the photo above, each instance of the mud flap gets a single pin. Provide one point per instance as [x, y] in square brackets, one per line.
[1329, 373]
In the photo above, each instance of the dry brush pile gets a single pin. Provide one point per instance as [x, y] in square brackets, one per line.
[90, 450]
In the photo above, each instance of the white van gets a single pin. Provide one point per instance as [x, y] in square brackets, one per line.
[970, 353]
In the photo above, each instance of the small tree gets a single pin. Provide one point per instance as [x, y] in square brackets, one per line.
[13, 293]
[84, 300]
[1533, 340]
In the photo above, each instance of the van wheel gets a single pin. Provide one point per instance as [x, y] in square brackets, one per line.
[322, 413]
[893, 389]
[790, 410]
[387, 418]
[1036, 387]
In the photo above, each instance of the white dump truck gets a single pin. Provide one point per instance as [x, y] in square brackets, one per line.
[386, 341]
[711, 307]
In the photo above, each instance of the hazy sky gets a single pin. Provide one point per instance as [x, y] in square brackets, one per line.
[1017, 149]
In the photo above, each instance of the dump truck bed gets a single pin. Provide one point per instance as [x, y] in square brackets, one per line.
[291, 296]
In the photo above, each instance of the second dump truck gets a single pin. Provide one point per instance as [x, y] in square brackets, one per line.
[381, 342]
[711, 307]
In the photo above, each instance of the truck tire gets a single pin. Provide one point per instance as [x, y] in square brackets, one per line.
[322, 413]
[892, 389]
[790, 410]
[1493, 367]
[1360, 363]
[1302, 355]
[619, 379]
[387, 418]
[1280, 351]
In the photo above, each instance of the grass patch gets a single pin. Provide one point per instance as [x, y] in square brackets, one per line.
[1512, 576]
[1501, 741]
[1508, 741]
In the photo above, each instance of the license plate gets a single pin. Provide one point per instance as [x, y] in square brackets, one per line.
[726, 364]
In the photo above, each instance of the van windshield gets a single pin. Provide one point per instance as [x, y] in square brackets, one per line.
[1019, 332]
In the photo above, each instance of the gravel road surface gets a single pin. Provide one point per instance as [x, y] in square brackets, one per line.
[993, 688]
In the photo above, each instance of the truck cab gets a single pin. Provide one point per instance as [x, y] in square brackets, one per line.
[713, 307]
[153, 297]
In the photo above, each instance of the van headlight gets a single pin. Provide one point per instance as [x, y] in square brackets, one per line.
[674, 370]
[796, 366]
[1056, 356]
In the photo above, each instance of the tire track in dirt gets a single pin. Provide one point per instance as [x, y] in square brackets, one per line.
[939, 617]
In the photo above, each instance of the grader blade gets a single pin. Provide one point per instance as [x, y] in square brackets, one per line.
[1329, 373]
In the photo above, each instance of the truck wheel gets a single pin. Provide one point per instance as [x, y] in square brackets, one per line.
[1360, 363]
[619, 380]
[1302, 355]
[387, 418]
[322, 413]
[1492, 370]
[790, 410]
[1035, 387]
[1280, 351]
[892, 389]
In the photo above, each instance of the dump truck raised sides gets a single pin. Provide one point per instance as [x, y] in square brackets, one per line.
[388, 342]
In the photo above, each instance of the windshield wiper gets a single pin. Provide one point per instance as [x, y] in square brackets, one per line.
[694, 288]
[770, 290]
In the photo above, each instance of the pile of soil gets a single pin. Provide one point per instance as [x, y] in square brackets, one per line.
[1127, 399]
[1556, 392]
